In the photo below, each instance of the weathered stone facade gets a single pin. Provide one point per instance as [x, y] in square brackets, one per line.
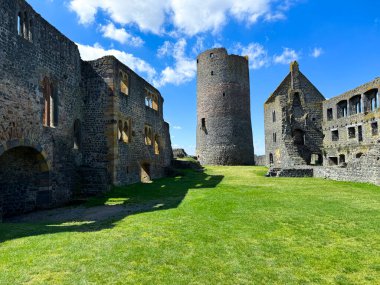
[351, 146]
[293, 122]
[224, 131]
[68, 126]
[348, 125]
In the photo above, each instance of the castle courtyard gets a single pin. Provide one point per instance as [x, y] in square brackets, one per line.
[226, 225]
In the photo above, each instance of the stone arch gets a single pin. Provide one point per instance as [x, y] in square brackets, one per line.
[25, 180]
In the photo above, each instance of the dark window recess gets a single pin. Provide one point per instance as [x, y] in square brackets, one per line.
[333, 160]
[329, 114]
[342, 158]
[360, 133]
[211, 55]
[359, 155]
[212, 72]
[271, 158]
[351, 132]
[335, 135]
[375, 129]
[224, 94]
[274, 116]
[203, 123]
[299, 137]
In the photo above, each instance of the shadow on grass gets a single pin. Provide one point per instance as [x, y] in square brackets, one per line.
[103, 212]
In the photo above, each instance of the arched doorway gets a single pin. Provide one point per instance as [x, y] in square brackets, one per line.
[24, 181]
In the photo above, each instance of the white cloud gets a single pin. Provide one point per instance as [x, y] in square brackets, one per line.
[184, 68]
[257, 55]
[190, 17]
[165, 49]
[177, 127]
[120, 35]
[96, 51]
[288, 55]
[317, 52]
[148, 15]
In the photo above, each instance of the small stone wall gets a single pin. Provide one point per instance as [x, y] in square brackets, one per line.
[296, 172]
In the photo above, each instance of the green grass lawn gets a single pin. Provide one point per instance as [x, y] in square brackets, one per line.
[228, 225]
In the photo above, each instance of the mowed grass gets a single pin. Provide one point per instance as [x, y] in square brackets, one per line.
[228, 225]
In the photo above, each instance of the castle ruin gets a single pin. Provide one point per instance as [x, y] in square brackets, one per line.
[224, 131]
[70, 127]
[306, 135]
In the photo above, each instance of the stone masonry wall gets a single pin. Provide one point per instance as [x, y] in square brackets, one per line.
[106, 107]
[27, 57]
[293, 122]
[224, 131]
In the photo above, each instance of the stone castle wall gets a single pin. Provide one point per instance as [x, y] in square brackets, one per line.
[293, 119]
[351, 136]
[30, 57]
[224, 131]
[58, 116]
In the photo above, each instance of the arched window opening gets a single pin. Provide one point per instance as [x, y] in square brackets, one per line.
[151, 100]
[19, 24]
[296, 100]
[155, 102]
[120, 130]
[77, 134]
[299, 137]
[156, 145]
[126, 134]
[148, 134]
[50, 117]
[124, 84]
[25, 26]
[371, 100]
[30, 35]
[342, 109]
[355, 104]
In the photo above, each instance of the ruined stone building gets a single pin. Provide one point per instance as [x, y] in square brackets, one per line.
[293, 122]
[224, 131]
[67, 126]
[303, 130]
[351, 145]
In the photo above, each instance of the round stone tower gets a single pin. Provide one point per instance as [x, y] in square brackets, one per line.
[224, 131]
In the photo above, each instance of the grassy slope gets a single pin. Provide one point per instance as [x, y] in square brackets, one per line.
[227, 226]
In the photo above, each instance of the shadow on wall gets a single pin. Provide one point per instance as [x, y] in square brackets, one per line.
[104, 212]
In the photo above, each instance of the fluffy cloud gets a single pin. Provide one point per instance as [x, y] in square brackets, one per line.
[258, 56]
[184, 68]
[187, 16]
[177, 127]
[120, 35]
[148, 15]
[317, 52]
[288, 55]
[96, 51]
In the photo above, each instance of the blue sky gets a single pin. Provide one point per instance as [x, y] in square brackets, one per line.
[337, 44]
